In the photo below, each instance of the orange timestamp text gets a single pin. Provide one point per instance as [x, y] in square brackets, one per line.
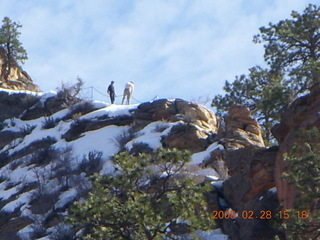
[263, 214]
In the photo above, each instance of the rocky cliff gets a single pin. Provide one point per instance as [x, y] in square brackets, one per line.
[17, 78]
[48, 150]
[301, 115]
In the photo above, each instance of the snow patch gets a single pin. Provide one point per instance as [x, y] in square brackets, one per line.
[152, 134]
[11, 91]
[273, 190]
[210, 235]
[112, 111]
[19, 202]
[198, 158]
[65, 198]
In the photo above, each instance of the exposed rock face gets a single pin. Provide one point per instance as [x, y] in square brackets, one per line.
[197, 126]
[175, 110]
[253, 227]
[302, 114]
[186, 136]
[248, 191]
[241, 129]
[17, 79]
[251, 171]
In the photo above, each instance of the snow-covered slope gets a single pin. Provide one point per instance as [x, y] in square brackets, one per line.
[46, 161]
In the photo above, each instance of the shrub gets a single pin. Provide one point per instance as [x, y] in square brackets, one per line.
[122, 139]
[80, 109]
[76, 128]
[91, 163]
[4, 158]
[127, 206]
[160, 127]
[49, 122]
[140, 147]
[69, 94]
[3, 178]
[63, 167]
[27, 129]
[38, 230]
[45, 155]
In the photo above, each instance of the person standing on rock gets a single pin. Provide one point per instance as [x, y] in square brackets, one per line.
[111, 92]
[128, 90]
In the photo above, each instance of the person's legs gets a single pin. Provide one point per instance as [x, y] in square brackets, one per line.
[112, 97]
[128, 98]
[124, 96]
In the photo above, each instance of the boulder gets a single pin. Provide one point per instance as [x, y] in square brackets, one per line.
[217, 162]
[175, 110]
[195, 130]
[241, 129]
[186, 136]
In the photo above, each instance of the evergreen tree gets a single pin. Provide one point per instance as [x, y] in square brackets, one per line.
[292, 49]
[13, 50]
[293, 46]
[264, 92]
[148, 197]
[303, 170]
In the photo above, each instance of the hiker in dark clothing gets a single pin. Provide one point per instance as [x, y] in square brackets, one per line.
[111, 92]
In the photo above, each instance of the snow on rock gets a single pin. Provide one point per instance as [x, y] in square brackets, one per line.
[199, 157]
[25, 232]
[212, 235]
[66, 198]
[11, 91]
[5, 194]
[151, 135]
[20, 174]
[112, 110]
[19, 202]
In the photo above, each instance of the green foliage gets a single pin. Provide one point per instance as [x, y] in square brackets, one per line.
[9, 41]
[293, 46]
[304, 172]
[292, 50]
[263, 92]
[148, 197]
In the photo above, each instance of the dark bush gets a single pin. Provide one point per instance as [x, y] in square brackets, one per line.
[45, 155]
[140, 148]
[49, 122]
[91, 163]
[68, 95]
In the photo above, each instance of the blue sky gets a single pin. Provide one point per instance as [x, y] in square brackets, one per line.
[170, 49]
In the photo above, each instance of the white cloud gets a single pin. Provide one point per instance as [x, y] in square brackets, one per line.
[178, 48]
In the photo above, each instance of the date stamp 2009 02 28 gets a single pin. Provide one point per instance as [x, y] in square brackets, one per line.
[259, 215]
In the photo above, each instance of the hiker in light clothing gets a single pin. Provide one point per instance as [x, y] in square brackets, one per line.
[128, 90]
